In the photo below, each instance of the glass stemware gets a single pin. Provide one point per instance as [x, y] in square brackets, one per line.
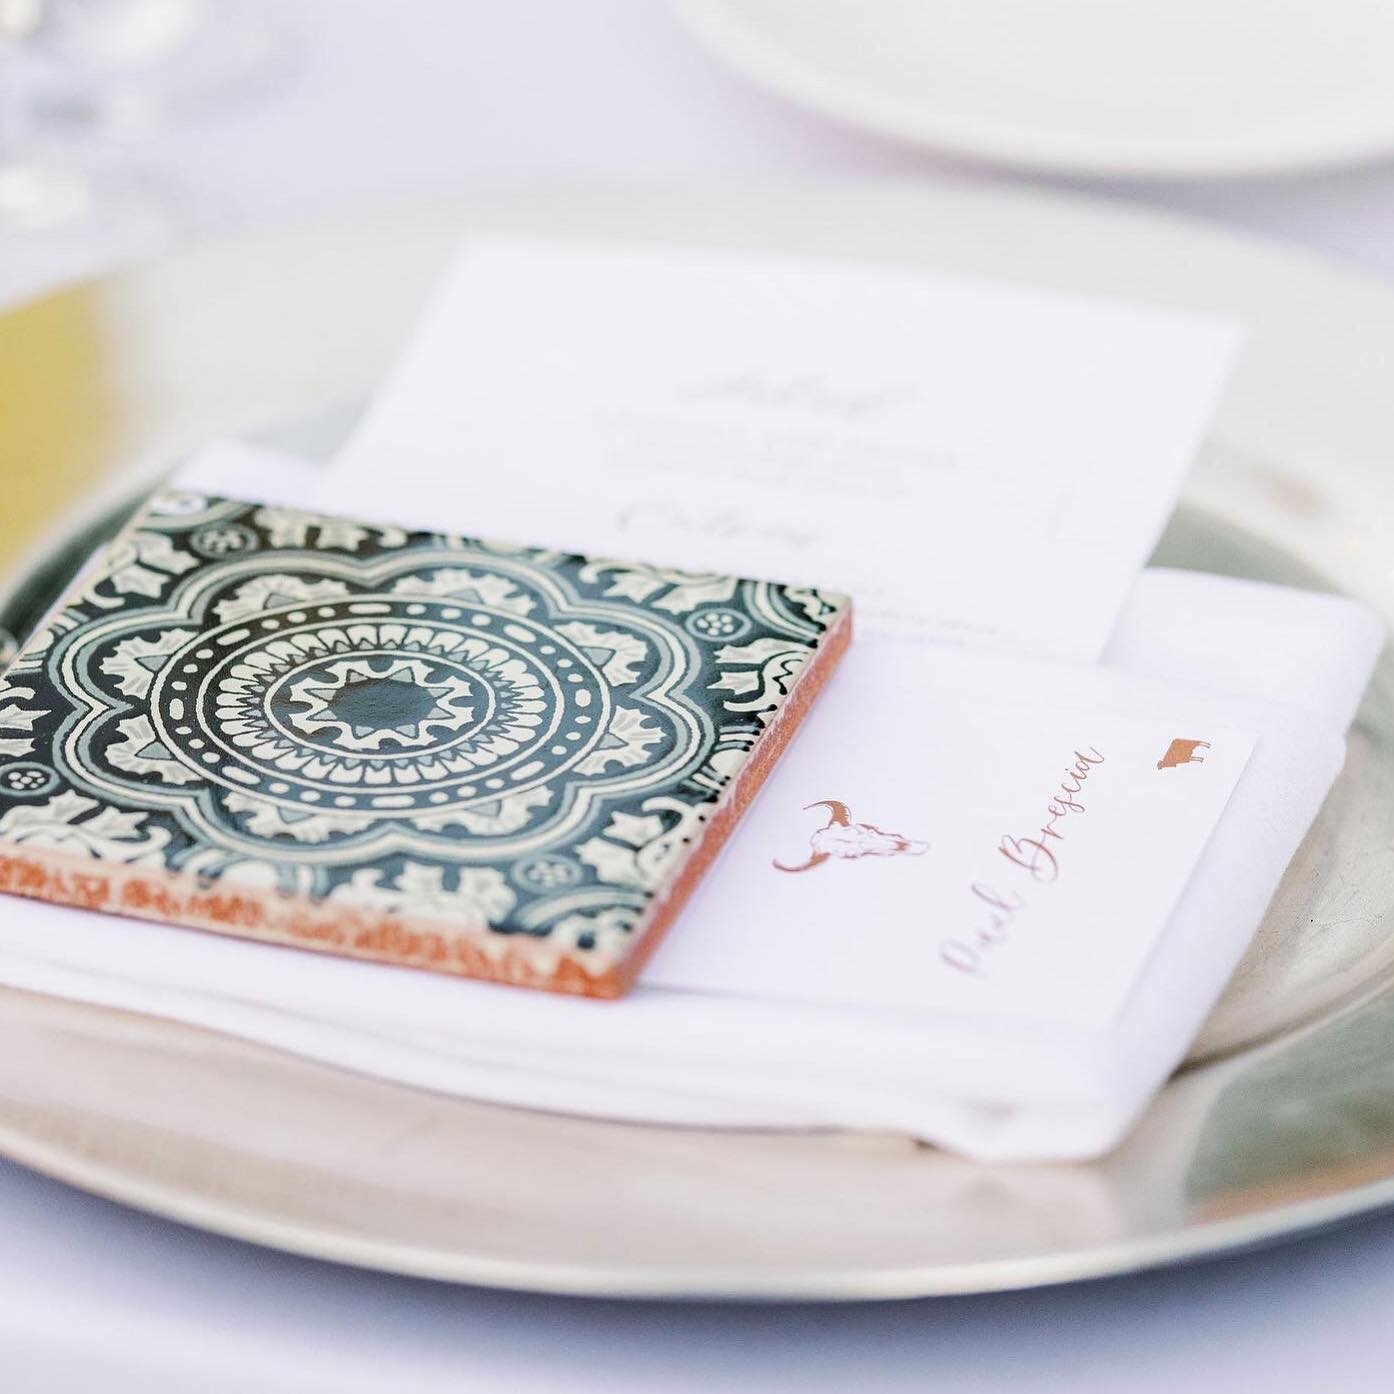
[85, 82]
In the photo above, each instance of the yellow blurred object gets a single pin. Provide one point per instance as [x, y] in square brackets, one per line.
[57, 414]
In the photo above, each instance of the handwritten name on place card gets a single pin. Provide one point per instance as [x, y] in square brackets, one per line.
[1037, 854]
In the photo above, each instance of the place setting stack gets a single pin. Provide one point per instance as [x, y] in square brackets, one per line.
[707, 689]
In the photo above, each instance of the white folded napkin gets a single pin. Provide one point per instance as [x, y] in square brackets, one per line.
[998, 1088]
[1249, 639]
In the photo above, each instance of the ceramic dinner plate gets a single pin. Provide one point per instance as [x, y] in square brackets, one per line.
[1190, 88]
[1283, 1121]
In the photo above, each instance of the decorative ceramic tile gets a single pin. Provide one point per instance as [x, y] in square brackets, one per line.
[474, 757]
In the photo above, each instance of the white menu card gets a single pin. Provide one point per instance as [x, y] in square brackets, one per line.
[977, 463]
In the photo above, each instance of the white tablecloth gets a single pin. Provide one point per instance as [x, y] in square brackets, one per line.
[410, 98]
[97, 1298]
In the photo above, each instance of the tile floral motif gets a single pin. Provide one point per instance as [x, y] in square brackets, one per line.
[475, 757]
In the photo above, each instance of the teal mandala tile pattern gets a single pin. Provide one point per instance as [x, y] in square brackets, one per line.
[475, 757]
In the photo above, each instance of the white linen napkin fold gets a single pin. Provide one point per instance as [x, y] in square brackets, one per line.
[1001, 1090]
[1249, 639]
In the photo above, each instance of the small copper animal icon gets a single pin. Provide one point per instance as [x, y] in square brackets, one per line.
[1181, 752]
[841, 837]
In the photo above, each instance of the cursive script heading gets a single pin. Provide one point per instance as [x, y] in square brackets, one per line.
[811, 393]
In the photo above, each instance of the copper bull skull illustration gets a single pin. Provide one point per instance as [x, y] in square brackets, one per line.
[841, 837]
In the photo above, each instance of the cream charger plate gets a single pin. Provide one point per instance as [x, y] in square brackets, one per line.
[1283, 1120]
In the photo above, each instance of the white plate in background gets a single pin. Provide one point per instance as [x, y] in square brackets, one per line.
[1164, 88]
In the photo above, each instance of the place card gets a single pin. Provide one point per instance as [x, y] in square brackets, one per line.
[978, 463]
[981, 836]
[475, 757]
